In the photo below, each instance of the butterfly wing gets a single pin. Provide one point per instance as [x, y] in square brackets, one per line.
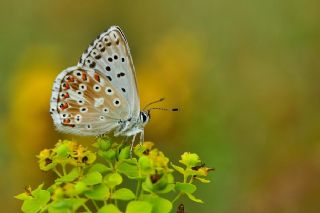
[84, 102]
[109, 53]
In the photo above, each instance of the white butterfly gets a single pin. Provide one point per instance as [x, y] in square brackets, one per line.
[100, 94]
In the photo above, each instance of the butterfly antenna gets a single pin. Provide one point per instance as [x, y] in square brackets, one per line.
[164, 109]
[153, 102]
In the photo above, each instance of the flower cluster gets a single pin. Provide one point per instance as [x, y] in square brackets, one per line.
[95, 182]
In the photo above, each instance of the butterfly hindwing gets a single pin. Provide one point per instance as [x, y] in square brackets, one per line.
[85, 102]
[110, 54]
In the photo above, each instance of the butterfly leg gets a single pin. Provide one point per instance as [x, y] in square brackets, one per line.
[132, 143]
[141, 137]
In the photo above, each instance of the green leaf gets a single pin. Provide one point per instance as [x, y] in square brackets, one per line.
[124, 153]
[103, 144]
[108, 155]
[129, 169]
[159, 205]
[123, 194]
[110, 208]
[71, 176]
[66, 204]
[139, 207]
[113, 180]
[23, 196]
[99, 167]
[145, 163]
[169, 186]
[80, 187]
[98, 192]
[193, 198]
[163, 185]
[39, 199]
[185, 187]
[92, 178]
[202, 180]
[178, 168]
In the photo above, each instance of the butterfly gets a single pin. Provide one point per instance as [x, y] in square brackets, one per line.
[100, 94]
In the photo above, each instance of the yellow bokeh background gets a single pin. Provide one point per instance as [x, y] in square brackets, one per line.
[244, 74]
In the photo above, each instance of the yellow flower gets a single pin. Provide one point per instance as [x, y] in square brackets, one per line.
[46, 161]
[83, 155]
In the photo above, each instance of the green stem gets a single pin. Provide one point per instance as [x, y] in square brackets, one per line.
[64, 169]
[95, 205]
[57, 172]
[177, 197]
[138, 189]
[86, 208]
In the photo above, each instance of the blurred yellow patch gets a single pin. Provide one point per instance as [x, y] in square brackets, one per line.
[30, 121]
[169, 70]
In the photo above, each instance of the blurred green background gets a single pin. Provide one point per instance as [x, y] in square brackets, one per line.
[244, 73]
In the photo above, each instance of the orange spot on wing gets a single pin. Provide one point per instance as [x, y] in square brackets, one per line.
[97, 77]
[65, 86]
[84, 76]
[66, 95]
[63, 106]
[70, 78]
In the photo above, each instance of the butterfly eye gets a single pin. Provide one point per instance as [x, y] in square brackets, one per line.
[101, 118]
[115, 57]
[79, 93]
[109, 91]
[96, 88]
[82, 87]
[116, 102]
[122, 59]
[89, 126]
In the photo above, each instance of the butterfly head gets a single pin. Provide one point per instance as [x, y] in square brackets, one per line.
[144, 117]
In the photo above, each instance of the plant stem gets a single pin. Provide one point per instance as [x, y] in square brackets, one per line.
[177, 197]
[64, 169]
[138, 189]
[95, 204]
[86, 208]
[57, 172]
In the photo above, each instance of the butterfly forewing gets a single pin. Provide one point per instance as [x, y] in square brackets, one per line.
[85, 102]
[110, 55]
